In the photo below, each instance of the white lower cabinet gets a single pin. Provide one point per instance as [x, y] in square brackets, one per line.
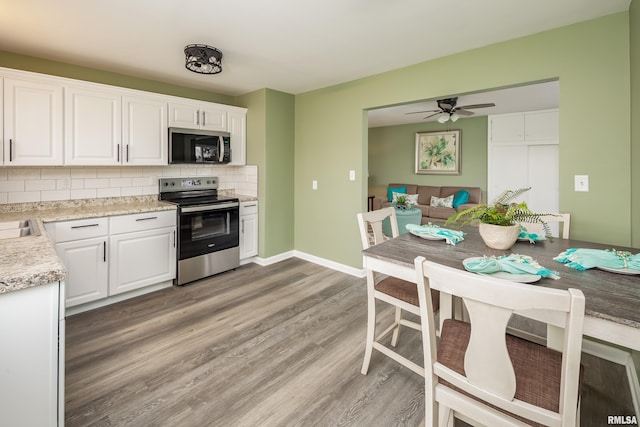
[31, 360]
[141, 259]
[248, 229]
[113, 255]
[142, 250]
[86, 261]
[82, 247]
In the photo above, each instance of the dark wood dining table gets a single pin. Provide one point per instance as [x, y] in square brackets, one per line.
[612, 299]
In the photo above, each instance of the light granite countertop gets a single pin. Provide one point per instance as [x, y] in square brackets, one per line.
[32, 260]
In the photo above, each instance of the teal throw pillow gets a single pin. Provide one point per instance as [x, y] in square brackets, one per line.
[460, 198]
[392, 190]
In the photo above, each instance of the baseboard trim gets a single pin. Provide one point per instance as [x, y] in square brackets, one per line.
[330, 264]
[273, 259]
[307, 257]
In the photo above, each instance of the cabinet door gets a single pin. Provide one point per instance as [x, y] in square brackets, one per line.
[141, 259]
[86, 261]
[238, 130]
[213, 117]
[506, 128]
[93, 127]
[248, 236]
[542, 126]
[144, 122]
[33, 117]
[184, 116]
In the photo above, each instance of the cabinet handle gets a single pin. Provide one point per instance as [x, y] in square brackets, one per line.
[127, 153]
[198, 118]
[174, 238]
[204, 118]
[242, 225]
[104, 251]
[84, 226]
[118, 149]
[250, 206]
[147, 218]
[11, 150]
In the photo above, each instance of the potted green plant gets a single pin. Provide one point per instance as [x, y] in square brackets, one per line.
[402, 202]
[499, 222]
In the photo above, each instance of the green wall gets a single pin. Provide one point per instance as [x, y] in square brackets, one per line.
[392, 155]
[591, 60]
[634, 18]
[270, 120]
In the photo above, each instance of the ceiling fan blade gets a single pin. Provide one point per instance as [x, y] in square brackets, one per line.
[427, 111]
[462, 112]
[469, 107]
[434, 114]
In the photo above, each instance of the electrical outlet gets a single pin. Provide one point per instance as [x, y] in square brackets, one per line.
[581, 183]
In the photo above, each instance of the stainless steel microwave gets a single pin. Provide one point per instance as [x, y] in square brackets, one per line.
[199, 146]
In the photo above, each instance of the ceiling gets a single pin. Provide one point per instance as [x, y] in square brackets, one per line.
[287, 45]
[540, 96]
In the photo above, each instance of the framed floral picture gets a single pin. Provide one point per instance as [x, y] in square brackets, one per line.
[438, 152]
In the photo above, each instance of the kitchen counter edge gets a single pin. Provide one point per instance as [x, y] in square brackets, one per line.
[32, 261]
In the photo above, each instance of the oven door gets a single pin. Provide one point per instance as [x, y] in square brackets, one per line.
[208, 228]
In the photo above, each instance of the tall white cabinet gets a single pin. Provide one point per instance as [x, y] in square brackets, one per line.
[523, 151]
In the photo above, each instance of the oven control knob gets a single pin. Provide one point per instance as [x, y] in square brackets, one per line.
[209, 182]
[166, 184]
[173, 183]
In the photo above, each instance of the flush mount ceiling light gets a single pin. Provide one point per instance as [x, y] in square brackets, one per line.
[203, 59]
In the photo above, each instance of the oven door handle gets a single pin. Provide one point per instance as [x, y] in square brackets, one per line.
[210, 207]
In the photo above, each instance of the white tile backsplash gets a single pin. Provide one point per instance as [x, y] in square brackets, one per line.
[32, 184]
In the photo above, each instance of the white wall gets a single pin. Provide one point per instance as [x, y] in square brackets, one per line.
[32, 184]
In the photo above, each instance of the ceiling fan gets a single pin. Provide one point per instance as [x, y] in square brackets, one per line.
[448, 110]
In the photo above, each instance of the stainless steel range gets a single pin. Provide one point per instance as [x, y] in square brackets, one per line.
[208, 237]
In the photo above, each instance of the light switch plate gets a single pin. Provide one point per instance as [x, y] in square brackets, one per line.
[581, 183]
[352, 175]
[314, 185]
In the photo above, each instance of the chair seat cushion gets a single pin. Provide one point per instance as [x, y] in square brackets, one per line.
[537, 368]
[405, 291]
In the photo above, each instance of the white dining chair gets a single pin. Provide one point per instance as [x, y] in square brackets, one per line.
[401, 294]
[563, 220]
[484, 376]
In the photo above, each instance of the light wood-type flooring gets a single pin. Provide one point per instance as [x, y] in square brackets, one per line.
[280, 345]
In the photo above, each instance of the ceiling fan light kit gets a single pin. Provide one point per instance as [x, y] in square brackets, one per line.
[448, 110]
[203, 59]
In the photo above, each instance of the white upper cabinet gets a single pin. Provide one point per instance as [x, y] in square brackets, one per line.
[93, 126]
[238, 131]
[55, 121]
[33, 117]
[145, 134]
[533, 126]
[198, 115]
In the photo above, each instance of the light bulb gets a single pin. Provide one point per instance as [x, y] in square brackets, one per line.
[443, 118]
[454, 117]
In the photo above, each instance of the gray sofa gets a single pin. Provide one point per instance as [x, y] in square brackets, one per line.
[424, 192]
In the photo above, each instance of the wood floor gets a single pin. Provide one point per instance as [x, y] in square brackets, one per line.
[259, 346]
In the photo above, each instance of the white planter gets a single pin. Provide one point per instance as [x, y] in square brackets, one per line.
[499, 236]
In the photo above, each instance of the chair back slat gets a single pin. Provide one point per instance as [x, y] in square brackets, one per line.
[373, 221]
[487, 363]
